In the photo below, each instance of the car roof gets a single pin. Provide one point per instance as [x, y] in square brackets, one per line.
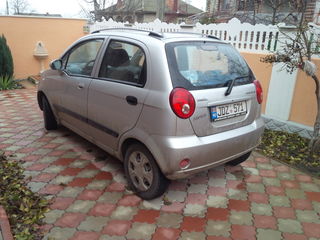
[140, 33]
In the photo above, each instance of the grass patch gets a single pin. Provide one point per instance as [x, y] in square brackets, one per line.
[290, 148]
[24, 208]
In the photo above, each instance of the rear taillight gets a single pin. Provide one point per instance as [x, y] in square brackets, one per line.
[259, 91]
[182, 102]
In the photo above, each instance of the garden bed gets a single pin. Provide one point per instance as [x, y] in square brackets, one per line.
[291, 149]
[24, 208]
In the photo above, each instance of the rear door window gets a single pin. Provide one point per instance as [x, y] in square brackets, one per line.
[201, 65]
[124, 62]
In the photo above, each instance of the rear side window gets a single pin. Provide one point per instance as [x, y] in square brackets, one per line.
[201, 65]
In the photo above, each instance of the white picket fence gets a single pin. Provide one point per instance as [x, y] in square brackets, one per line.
[243, 36]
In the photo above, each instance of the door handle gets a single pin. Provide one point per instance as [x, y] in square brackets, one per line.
[80, 85]
[132, 100]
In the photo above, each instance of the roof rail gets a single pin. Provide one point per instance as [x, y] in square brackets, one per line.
[151, 33]
[199, 34]
[211, 36]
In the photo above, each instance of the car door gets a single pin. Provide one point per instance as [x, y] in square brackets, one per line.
[116, 96]
[76, 78]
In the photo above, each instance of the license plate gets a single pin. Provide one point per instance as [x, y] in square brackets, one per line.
[228, 110]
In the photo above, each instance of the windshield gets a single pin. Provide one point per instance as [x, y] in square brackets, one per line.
[200, 65]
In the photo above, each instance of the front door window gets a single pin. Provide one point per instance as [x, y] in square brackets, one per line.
[82, 58]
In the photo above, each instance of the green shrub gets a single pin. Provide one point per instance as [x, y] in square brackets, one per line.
[6, 62]
[7, 82]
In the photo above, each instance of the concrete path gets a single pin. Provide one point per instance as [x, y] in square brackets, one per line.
[261, 199]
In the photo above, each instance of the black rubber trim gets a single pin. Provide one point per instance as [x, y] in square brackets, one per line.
[88, 121]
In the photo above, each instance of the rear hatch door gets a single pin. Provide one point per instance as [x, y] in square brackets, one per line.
[220, 81]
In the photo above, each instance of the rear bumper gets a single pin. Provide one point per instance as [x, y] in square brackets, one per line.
[206, 152]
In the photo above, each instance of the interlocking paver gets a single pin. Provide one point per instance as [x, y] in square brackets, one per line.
[261, 199]
[36, 186]
[261, 209]
[280, 201]
[167, 220]
[308, 216]
[117, 227]
[241, 218]
[295, 193]
[290, 226]
[193, 224]
[178, 196]
[92, 223]
[70, 220]
[53, 216]
[218, 228]
[70, 192]
[124, 213]
[255, 187]
[194, 210]
[80, 235]
[110, 197]
[81, 206]
[217, 202]
[108, 237]
[243, 232]
[166, 234]
[267, 234]
[60, 233]
[98, 184]
[141, 231]
[192, 235]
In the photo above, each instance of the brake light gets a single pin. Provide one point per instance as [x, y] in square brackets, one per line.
[182, 103]
[259, 91]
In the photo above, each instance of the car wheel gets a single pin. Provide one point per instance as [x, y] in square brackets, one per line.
[50, 122]
[143, 174]
[240, 159]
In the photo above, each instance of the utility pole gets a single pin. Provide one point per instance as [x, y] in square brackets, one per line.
[208, 6]
[7, 7]
[160, 9]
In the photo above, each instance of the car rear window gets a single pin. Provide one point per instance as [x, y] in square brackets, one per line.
[201, 65]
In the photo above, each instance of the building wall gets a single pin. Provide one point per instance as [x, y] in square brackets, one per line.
[301, 106]
[261, 71]
[304, 103]
[22, 34]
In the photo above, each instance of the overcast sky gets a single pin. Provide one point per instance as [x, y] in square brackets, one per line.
[68, 8]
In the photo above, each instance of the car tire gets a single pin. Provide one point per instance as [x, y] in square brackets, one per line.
[240, 159]
[50, 122]
[143, 174]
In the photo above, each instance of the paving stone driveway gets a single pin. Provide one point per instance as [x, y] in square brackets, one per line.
[261, 199]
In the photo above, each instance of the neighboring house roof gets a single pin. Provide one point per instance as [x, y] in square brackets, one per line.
[150, 6]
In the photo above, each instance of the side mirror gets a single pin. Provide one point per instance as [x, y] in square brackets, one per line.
[56, 65]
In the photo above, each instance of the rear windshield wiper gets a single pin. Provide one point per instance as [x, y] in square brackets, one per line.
[231, 84]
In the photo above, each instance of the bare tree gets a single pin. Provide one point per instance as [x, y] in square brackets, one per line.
[19, 6]
[247, 10]
[275, 6]
[268, 11]
[299, 48]
[97, 5]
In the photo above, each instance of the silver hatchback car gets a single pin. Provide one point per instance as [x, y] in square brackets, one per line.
[168, 105]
